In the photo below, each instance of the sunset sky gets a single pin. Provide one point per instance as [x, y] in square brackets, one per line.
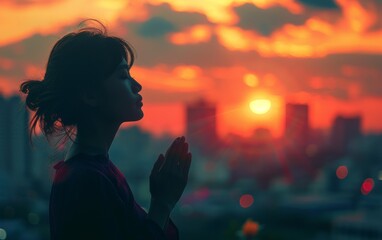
[325, 53]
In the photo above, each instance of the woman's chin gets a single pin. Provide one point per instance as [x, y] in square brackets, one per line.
[135, 118]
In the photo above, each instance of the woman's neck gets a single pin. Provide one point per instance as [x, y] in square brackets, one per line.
[94, 139]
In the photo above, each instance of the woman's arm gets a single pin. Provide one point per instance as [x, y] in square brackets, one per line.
[168, 179]
[89, 207]
[159, 213]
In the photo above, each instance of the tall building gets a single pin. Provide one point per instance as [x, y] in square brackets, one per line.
[296, 139]
[296, 125]
[201, 129]
[344, 130]
[15, 150]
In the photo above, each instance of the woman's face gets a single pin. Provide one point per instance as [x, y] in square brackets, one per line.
[121, 101]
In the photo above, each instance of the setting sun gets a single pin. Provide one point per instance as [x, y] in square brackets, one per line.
[260, 106]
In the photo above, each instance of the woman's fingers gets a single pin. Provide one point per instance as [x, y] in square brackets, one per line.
[158, 164]
[186, 150]
[187, 164]
[170, 154]
[177, 157]
[182, 155]
[171, 148]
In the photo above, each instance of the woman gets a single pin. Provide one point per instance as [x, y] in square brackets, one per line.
[88, 90]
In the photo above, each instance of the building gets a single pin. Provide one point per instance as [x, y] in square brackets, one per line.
[359, 225]
[201, 123]
[296, 140]
[15, 150]
[296, 125]
[344, 130]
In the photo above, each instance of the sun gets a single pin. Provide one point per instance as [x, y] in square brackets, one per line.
[260, 106]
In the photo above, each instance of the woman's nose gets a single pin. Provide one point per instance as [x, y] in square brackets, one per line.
[138, 86]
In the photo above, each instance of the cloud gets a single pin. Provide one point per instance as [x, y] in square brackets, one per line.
[220, 12]
[317, 37]
[164, 20]
[266, 21]
[32, 49]
[343, 76]
[182, 19]
[162, 65]
[155, 27]
[25, 3]
[22, 22]
[329, 4]
[193, 35]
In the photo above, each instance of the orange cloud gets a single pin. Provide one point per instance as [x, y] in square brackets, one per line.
[179, 79]
[33, 71]
[220, 11]
[291, 5]
[358, 17]
[217, 11]
[195, 34]
[236, 39]
[23, 21]
[6, 87]
[6, 64]
[133, 11]
[316, 38]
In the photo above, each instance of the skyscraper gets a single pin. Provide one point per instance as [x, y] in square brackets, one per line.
[201, 125]
[15, 151]
[344, 131]
[296, 125]
[296, 137]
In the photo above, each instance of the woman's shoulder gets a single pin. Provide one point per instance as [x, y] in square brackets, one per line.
[81, 169]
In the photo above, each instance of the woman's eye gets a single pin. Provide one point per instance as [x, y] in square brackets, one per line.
[125, 76]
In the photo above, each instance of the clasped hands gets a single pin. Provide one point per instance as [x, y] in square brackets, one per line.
[169, 175]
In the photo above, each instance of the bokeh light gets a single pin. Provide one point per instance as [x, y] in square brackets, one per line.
[251, 80]
[246, 200]
[367, 186]
[342, 172]
[3, 234]
[250, 228]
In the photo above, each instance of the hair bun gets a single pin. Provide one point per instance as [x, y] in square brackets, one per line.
[34, 89]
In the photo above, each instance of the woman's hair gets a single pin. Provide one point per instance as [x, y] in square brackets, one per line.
[80, 61]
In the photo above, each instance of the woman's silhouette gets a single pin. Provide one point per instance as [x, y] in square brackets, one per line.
[88, 91]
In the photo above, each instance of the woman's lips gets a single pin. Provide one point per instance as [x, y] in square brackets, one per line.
[139, 101]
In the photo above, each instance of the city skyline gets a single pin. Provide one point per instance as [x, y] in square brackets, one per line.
[210, 109]
[301, 175]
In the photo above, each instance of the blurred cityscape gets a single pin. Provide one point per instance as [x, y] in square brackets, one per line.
[307, 184]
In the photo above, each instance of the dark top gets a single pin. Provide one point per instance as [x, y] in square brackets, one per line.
[90, 199]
